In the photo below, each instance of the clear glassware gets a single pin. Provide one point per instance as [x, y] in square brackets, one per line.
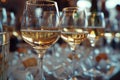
[4, 55]
[40, 28]
[73, 22]
[20, 75]
[8, 20]
[95, 28]
[101, 65]
[56, 61]
[108, 34]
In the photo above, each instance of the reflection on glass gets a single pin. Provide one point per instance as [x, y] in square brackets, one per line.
[40, 28]
[73, 22]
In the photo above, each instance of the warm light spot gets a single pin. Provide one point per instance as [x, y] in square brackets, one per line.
[92, 34]
[3, 1]
[15, 33]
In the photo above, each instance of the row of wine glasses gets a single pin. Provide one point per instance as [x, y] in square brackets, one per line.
[77, 25]
[42, 27]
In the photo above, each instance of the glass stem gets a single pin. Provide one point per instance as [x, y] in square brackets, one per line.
[41, 68]
[73, 62]
[40, 65]
[73, 48]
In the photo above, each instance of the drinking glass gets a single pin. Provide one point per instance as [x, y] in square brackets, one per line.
[4, 54]
[95, 28]
[8, 20]
[73, 22]
[40, 28]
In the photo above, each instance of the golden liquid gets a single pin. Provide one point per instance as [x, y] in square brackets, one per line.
[95, 33]
[73, 36]
[40, 39]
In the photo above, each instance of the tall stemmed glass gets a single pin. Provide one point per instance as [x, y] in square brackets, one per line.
[73, 22]
[95, 28]
[40, 27]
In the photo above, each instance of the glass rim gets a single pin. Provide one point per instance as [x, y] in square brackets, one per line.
[50, 3]
[72, 8]
[97, 13]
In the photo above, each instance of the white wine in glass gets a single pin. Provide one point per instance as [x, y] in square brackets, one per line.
[96, 26]
[40, 39]
[73, 23]
[94, 34]
[40, 28]
[73, 36]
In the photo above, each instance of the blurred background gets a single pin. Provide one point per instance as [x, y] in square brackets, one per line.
[111, 8]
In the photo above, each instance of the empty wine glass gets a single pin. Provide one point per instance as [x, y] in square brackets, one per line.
[40, 27]
[73, 22]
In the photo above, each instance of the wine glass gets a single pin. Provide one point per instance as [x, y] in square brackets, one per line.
[108, 34]
[95, 28]
[39, 28]
[4, 55]
[73, 22]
